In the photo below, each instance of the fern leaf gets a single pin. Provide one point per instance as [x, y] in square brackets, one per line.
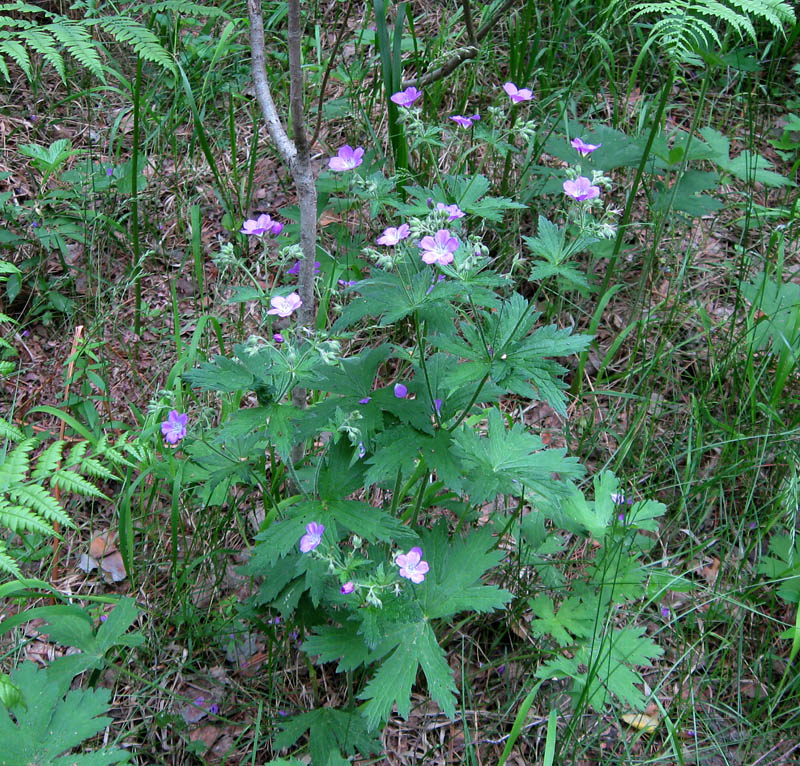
[48, 461]
[74, 482]
[15, 51]
[38, 499]
[7, 564]
[20, 7]
[15, 466]
[739, 21]
[139, 37]
[41, 42]
[10, 432]
[19, 519]
[95, 468]
[76, 454]
[76, 39]
[187, 9]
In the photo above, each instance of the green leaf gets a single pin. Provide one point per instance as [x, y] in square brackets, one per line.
[574, 619]
[601, 668]
[747, 166]
[331, 733]
[222, 374]
[10, 694]
[509, 461]
[453, 583]
[783, 566]
[415, 646]
[50, 723]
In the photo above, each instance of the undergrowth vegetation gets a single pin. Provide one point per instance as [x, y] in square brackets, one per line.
[400, 383]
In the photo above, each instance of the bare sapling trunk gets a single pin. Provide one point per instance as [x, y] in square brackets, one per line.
[294, 151]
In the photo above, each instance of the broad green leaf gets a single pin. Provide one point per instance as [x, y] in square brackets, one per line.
[416, 646]
[49, 724]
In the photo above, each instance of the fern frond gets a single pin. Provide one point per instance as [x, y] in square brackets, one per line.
[76, 39]
[139, 37]
[775, 12]
[15, 466]
[39, 41]
[16, 53]
[76, 453]
[74, 482]
[7, 564]
[48, 461]
[96, 469]
[686, 27]
[186, 9]
[20, 7]
[19, 519]
[38, 499]
[10, 432]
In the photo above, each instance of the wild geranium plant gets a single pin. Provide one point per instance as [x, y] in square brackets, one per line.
[416, 478]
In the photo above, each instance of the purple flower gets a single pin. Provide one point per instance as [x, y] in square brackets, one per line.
[103, 617]
[665, 612]
[295, 270]
[453, 211]
[174, 427]
[437, 406]
[365, 400]
[516, 94]
[406, 97]
[213, 708]
[581, 189]
[346, 158]
[284, 307]
[392, 236]
[400, 391]
[348, 282]
[110, 172]
[277, 337]
[412, 567]
[362, 450]
[465, 122]
[347, 588]
[584, 149]
[439, 248]
[312, 538]
[260, 226]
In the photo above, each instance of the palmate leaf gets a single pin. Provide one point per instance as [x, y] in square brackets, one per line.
[331, 733]
[390, 298]
[509, 461]
[574, 619]
[51, 721]
[412, 646]
[518, 357]
[601, 668]
[453, 583]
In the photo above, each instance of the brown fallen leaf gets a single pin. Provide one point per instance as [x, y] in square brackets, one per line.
[103, 544]
[114, 566]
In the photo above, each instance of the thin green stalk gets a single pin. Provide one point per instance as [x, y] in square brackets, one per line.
[135, 244]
